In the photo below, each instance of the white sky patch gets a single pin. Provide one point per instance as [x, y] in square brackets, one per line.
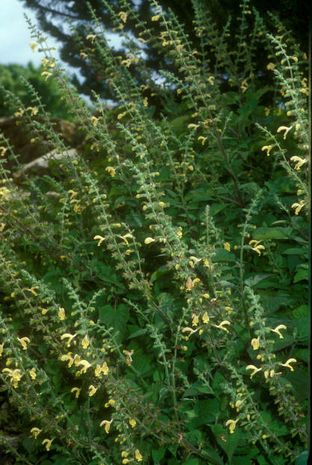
[15, 36]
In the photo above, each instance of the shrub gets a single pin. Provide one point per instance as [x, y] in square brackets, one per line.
[154, 288]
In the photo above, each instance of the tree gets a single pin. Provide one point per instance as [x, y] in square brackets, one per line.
[55, 16]
[11, 79]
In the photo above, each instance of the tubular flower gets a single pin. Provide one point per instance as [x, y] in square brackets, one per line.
[205, 318]
[32, 373]
[85, 365]
[106, 424]
[254, 370]
[35, 432]
[298, 206]
[76, 391]
[149, 240]
[99, 238]
[101, 369]
[223, 325]
[15, 376]
[277, 330]
[85, 342]
[255, 343]
[67, 358]
[47, 443]
[299, 162]
[256, 247]
[92, 390]
[24, 341]
[69, 338]
[1, 349]
[267, 149]
[138, 456]
[132, 422]
[288, 364]
[110, 403]
[61, 314]
[231, 424]
[284, 129]
[111, 171]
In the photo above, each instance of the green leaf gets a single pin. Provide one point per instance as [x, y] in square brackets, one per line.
[276, 233]
[158, 454]
[302, 274]
[303, 458]
[116, 318]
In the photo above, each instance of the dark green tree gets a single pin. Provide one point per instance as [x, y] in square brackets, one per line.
[11, 79]
[55, 16]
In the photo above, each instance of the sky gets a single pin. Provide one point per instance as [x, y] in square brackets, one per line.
[15, 36]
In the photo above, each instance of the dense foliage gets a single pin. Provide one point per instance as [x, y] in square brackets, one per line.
[64, 19]
[12, 78]
[154, 287]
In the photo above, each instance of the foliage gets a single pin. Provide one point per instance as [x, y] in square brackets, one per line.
[154, 288]
[60, 18]
[12, 79]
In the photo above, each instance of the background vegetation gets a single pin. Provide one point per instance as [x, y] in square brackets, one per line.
[154, 279]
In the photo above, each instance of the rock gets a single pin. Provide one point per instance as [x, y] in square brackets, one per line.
[41, 164]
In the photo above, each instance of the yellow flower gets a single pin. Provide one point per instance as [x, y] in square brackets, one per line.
[61, 313]
[132, 422]
[76, 391]
[128, 354]
[67, 358]
[111, 171]
[284, 129]
[155, 18]
[99, 369]
[85, 366]
[100, 239]
[288, 363]
[47, 443]
[33, 46]
[149, 240]
[107, 425]
[256, 247]
[227, 246]
[202, 139]
[231, 424]
[254, 370]
[32, 373]
[110, 403]
[85, 342]
[35, 432]
[94, 121]
[125, 237]
[205, 318]
[267, 149]
[195, 319]
[255, 343]
[270, 66]
[123, 15]
[3, 151]
[121, 115]
[69, 338]
[24, 341]
[145, 102]
[277, 330]
[223, 325]
[91, 37]
[1, 349]
[138, 456]
[298, 206]
[92, 390]
[299, 162]
[46, 75]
